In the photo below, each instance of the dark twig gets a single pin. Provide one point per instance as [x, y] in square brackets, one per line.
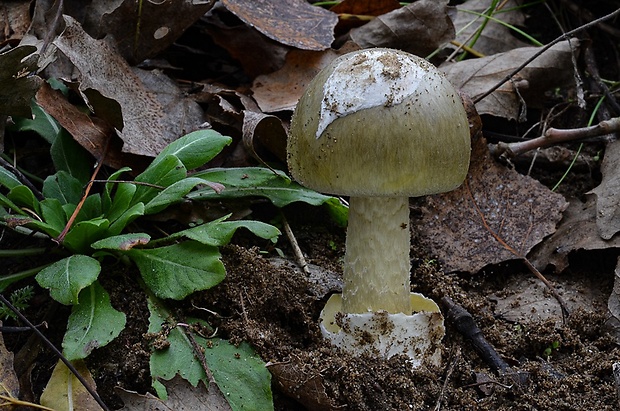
[544, 49]
[51, 346]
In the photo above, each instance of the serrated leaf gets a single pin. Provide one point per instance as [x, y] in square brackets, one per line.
[65, 392]
[69, 156]
[166, 172]
[67, 277]
[178, 270]
[218, 233]
[122, 242]
[93, 323]
[64, 187]
[83, 234]
[238, 372]
[196, 148]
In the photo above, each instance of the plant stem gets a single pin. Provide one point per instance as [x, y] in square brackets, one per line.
[23, 252]
[376, 263]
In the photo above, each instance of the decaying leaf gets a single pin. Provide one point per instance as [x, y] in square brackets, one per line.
[292, 22]
[282, 89]
[65, 392]
[608, 193]
[182, 396]
[154, 113]
[494, 37]
[142, 32]
[15, 20]
[464, 227]
[418, 28]
[576, 231]
[297, 383]
[18, 84]
[265, 129]
[474, 77]
[9, 384]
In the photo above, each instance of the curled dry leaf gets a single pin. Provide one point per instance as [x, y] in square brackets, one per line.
[474, 77]
[465, 228]
[265, 129]
[418, 28]
[613, 306]
[295, 23]
[495, 37]
[608, 193]
[154, 113]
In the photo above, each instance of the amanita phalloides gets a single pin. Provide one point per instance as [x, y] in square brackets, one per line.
[380, 126]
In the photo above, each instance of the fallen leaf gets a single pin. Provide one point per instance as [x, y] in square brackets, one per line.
[142, 32]
[18, 84]
[153, 112]
[464, 227]
[9, 384]
[418, 28]
[65, 392]
[577, 231]
[474, 77]
[613, 306]
[495, 37]
[266, 130]
[182, 396]
[354, 13]
[15, 20]
[297, 383]
[280, 90]
[292, 22]
[608, 193]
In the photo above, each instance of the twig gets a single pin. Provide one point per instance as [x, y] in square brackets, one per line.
[299, 256]
[556, 136]
[455, 359]
[51, 346]
[544, 49]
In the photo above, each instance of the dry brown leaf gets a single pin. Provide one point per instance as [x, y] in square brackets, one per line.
[182, 396]
[266, 130]
[142, 32]
[418, 28]
[295, 23]
[608, 193]
[474, 77]
[462, 227]
[282, 89]
[495, 37]
[613, 306]
[295, 382]
[153, 111]
[15, 20]
[353, 13]
[9, 384]
[576, 231]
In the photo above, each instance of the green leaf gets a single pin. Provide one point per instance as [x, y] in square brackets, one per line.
[53, 214]
[93, 323]
[8, 179]
[243, 177]
[24, 197]
[196, 148]
[171, 195]
[83, 234]
[137, 210]
[166, 172]
[69, 156]
[121, 201]
[4, 201]
[41, 123]
[91, 208]
[64, 187]
[67, 277]
[122, 242]
[106, 196]
[238, 372]
[178, 270]
[218, 233]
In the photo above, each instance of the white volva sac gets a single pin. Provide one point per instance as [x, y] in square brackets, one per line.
[380, 126]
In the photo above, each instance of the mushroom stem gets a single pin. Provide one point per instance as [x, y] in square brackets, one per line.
[376, 263]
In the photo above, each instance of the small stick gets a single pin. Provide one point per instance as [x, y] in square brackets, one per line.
[299, 256]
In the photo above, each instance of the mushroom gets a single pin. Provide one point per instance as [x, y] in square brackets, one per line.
[380, 126]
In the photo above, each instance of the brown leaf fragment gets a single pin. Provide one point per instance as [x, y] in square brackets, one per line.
[418, 28]
[613, 306]
[266, 130]
[9, 385]
[153, 112]
[14, 20]
[305, 387]
[465, 228]
[142, 32]
[577, 231]
[280, 90]
[608, 193]
[292, 22]
[65, 392]
[18, 84]
[355, 13]
[474, 77]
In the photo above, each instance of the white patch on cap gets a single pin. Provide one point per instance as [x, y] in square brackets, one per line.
[369, 79]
